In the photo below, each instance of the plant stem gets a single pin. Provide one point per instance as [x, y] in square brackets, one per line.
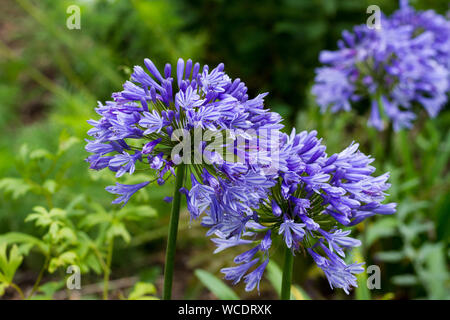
[107, 269]
[39, 278]
[407, 155]
[388, 144]
[16, 287]
[172, 236]
[287, 275]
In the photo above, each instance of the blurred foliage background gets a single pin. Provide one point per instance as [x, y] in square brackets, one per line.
[51, 78]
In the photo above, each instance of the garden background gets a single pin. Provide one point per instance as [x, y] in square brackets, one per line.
[54, 212]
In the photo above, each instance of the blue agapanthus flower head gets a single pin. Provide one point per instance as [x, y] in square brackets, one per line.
[156, 111]
[311, 202]
[426, 21]
[400, 67]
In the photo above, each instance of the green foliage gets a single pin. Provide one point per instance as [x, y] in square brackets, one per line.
[143, 291]
[8, 266]
[47, 290]
[215, 285]
[427, 258]
[14, 186]
[80, 233]
[362, 292]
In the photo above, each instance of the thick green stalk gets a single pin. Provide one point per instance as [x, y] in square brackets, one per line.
[172, 236]
[388, 144]
[287, 275]
[406, 154]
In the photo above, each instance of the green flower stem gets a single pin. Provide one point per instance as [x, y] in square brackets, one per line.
[407, 158]
[287, 275]
[388, 143]
[41, 274]
[172, 236]
[107, 271]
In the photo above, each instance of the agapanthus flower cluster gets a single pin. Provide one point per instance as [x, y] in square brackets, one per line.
[399, 68]
[429, 21]
[309, 203]
[142, 125]
[272, 185]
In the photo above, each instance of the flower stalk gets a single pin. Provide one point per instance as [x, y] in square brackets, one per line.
[287, 275]
[107, 271]
[172, 236]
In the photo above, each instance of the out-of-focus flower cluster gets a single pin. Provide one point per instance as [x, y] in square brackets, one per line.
[144, 121]
[399, 67]
[309, 202]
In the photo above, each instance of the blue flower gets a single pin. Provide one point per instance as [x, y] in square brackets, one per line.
[125, 162]
[149, 146]
[199, 197]
[276, 208]
[254, 278]
[157, 161]
[338, 273]
[247, 256]
[168, 199]
[404, 65]
[236, 273]
[308, 201]
[97, 162]
[339, 238]
[293, 233]
[266, 242]
[188, 100]
[153, 122]
[223, 242]
[144, 116]
[126, 191]
[99, 148]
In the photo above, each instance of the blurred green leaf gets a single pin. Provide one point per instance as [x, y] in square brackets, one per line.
[9, 265]
[50, 186]
[40, 154]
[118, 229]
[65, 259]
[15, 186]
[405, 280]
[435, 273]
[65, 143]
[390, 256]
[409, 206]
[44, 218]
[17, 237]
[215, 285]
[382, 228]
[48, 289]
[136, 213]
[143, 291]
